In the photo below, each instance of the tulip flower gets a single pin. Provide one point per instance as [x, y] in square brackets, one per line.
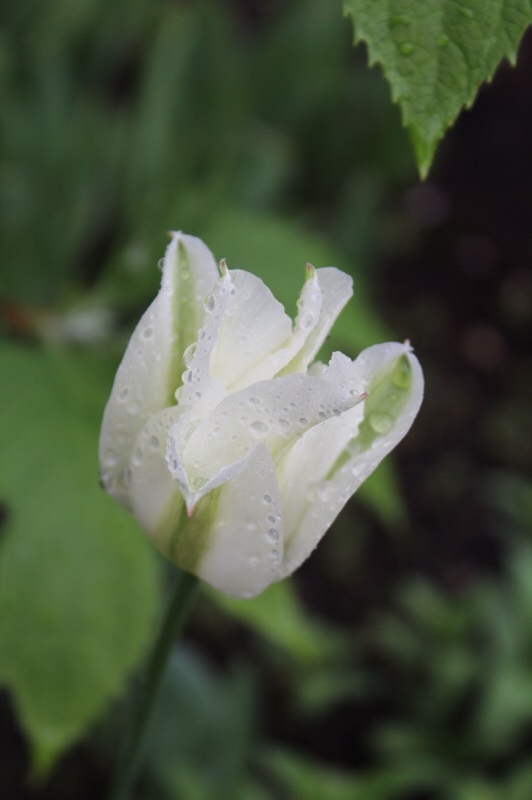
[232, 447]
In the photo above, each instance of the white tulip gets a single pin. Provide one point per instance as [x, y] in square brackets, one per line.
[231, 451]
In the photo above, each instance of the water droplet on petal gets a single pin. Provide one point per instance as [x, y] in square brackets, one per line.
[188, 355]
[110, 458]
[306, 321]
[284, 423]
[323, 492]
[272, 535]
[209, 304]
[381, 422]
[122, 395]
[303, 421]
[154, 443]
[258, 429]
[267, 499]
[147, 333]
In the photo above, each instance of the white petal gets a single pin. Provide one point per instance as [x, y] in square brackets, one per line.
[336, 288]
[245, 543]
[276, 412]
[350, 447]
[150, 370]
[254, 327]
[152, 488]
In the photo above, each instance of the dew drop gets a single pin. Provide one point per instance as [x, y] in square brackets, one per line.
[188, 355]
[154, 443]
[258, 429]
[147, 333]
[110, 458]
[306, 321]
[284, 423]
[187, 376]
[406, 48]
[209, 304]
[254, 401]
[272, 535]
[122, 395]
[303, 421]
[201, 334]
[160, 263]
[267, 499]
[271, 519]
[323, 492]
[381, 422]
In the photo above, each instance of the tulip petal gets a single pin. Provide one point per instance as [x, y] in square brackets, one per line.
[152, 488]
[276, 412]
[336, 288]
[350, 447]
[245, 541]
[150, 370]
[254, 327]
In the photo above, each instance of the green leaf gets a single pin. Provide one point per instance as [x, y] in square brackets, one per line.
[78, 582]
[436, 54]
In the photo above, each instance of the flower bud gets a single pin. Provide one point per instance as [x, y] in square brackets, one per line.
[234, 450]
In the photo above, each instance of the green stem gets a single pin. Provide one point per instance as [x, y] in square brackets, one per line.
[184, 594]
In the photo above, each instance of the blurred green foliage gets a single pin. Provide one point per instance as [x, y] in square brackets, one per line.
[268, 137]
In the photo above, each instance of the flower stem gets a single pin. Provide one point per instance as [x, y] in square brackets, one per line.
[181, 602]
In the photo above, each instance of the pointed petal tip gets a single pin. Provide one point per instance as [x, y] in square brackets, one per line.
[311, 270]
[222, 266]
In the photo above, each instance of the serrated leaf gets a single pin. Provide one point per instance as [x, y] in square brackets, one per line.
[78, 582]
[436, 54]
